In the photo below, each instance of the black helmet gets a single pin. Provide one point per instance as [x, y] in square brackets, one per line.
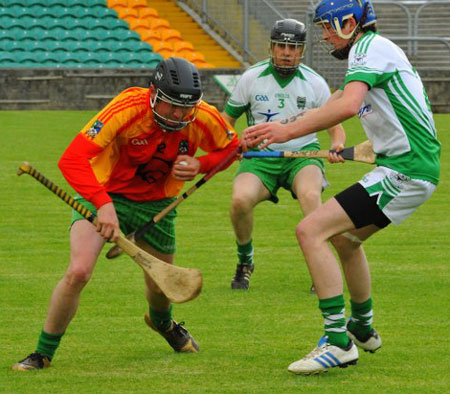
[177, 82]
[287, 32]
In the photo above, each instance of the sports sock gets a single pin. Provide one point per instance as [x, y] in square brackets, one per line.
[360, 322]
[48, 343]
[333, 312]
[161, 319]
[245, 253]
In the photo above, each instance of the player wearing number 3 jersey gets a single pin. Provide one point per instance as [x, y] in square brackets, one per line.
[269, 91]
[387, 94]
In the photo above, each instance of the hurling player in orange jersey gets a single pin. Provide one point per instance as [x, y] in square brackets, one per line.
[127, 164]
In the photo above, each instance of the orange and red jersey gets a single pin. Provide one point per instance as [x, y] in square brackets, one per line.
[123, 150]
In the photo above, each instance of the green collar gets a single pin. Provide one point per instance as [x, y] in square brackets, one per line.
[283, 82]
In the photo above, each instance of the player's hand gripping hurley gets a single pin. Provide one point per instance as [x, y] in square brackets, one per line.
[177, 283]
[136, 235]
[362, 152]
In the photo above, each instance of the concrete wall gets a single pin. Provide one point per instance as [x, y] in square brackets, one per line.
[79, 89]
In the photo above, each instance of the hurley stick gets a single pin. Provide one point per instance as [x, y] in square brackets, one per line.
[362, 152]
[177, 283]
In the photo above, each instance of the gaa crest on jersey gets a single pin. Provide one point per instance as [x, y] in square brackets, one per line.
[183, 147]
[359, 59]
[94, 129]
[301, 102]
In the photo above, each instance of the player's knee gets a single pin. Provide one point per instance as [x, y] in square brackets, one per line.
[77, 277]
[309, 198]
[241, 204]
[304, 235]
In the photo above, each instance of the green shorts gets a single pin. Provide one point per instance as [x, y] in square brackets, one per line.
[132, 215]
[279, 172]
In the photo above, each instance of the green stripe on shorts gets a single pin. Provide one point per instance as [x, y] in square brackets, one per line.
[133, 215]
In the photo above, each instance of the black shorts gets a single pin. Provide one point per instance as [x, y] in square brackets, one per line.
[361, 208]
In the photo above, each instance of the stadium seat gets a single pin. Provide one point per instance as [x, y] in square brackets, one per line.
[182, 47]
[41, 3]
[194, 57]
[141, 47]
[20, 3]
[150, 36]
[117, 3]
[159, 24]
[163, 48]
[203, 64]
[137, 4]
[125, 13]
[137, 24]
[148, 13]
[170, 35]
[7, 59]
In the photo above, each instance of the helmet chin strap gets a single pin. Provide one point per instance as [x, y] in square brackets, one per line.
[342, 53]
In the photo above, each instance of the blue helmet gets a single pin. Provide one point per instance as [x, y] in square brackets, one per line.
[336, 12]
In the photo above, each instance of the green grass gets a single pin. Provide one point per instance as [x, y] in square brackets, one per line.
[247, 339]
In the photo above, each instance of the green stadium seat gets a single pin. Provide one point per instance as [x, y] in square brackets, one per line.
[20, 3]
[9, 45]
[41, 3]
[13, 10]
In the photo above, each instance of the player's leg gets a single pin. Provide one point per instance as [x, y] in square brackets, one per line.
[86, 245]
[248, 191]
[313, 233]
[357, 274]
[307, 187]
[159, 315]
[160, 242]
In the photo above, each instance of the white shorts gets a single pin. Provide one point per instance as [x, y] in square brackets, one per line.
[398, 195]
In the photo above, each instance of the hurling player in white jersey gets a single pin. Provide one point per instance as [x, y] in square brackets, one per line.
[386, 92]
[272, 90]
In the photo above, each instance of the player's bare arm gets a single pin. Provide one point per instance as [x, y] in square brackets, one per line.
[335, 111]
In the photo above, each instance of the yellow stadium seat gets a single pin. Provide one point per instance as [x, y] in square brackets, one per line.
[137, 4]
[138, 24]
[125, 13]
[181, 47]
[148, 13]
[170, 35]
[203, 64]
[117, 3]
[194, 56]
[159, 24]
[163, 48]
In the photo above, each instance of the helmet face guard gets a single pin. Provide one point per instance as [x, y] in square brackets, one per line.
[336, 12]
[172, 114]
[176, 93]
[287, 45]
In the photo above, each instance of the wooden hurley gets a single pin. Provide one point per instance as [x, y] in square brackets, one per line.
[362, 152]
[177, 283]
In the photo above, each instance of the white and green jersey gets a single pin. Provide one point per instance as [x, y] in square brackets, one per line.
[265, 97]
[396, 113]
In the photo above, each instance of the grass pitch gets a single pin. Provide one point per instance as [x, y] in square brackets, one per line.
[247, 339]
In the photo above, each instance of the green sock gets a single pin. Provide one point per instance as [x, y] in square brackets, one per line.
[48, 343]
[245, 253]
[161, 319]
[361, 320]
[333, 312]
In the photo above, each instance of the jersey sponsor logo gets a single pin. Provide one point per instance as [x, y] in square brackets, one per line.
[183, 147]
[139, 141]
[359, 59]
[301, 102]
[365, 111]
[94, 129]
[261, 97]
[269, 115]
